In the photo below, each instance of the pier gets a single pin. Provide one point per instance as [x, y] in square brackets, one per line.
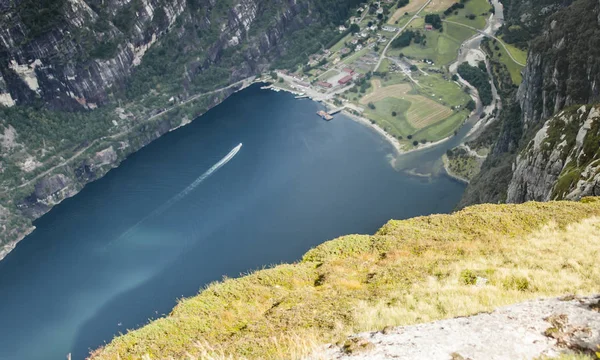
[324, 115]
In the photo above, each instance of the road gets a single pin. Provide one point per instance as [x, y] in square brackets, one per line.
[416, 15]
[482, 32]
[125, 132]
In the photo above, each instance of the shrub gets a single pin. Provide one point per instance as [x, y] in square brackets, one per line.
[467, 277]
[519, 283]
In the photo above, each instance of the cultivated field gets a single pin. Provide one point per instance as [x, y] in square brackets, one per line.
[412, 7]
[422, 112]
[439, 5]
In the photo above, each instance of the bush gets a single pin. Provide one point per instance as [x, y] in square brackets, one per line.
[516, 283]
[371, 106]
[415, 143]
[394, 114]
[467, 277]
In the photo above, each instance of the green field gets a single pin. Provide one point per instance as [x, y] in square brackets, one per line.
[397, 126]
[384, 67]
[442, 47]
[442, 129]
[446, 93]
[479, 8]
[450, 93]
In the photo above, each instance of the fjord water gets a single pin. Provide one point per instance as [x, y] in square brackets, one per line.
[194, 206]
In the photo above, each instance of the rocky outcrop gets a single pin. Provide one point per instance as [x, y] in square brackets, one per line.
[530, 156]
[70, 53]
[528, 330]
[563, 67]
[562, 161]
[84, 50]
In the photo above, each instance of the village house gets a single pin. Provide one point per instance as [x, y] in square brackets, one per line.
[345, 80]
[428, 27]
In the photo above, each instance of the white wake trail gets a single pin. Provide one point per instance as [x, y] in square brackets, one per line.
[164, 207]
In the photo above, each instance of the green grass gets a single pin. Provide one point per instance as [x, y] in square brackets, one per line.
[442, 47]
[408, 272]
[384, 67]
[341, 44]
[513, 68]
[350, 59]
[442, 129]
[475, 7]
[394, 125]
[451, 93]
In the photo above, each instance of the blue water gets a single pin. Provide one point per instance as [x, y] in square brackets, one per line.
[189, 209]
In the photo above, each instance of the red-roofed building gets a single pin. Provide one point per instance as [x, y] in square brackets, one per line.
[324, 84]
[428, 27]
[346, 79]
[349, 71]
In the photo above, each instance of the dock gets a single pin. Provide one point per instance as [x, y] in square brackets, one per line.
[324, 115]
[335, 111]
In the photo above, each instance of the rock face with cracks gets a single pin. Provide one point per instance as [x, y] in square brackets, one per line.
[522, 331]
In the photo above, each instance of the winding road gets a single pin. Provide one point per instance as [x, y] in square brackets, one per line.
[482, 32]
[416, 15]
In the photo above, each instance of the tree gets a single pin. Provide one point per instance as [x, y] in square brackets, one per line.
[354, 28]
[394, 114]
[371, 106]
[434, 20]
[415, 143]
[471, 105]
[409, 137]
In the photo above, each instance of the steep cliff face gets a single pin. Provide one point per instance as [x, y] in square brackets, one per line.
[84, 83]
[562, 161]
[564, 63]
[74, 53]
[69, 52]
[563, 70]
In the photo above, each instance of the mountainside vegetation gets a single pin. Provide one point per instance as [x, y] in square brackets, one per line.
[99, 75]
[562, 70]
[410, 271]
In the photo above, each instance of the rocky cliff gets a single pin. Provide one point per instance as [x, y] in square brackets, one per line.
[70, 53]
[84, 83]
[563, 159]
[563, 70]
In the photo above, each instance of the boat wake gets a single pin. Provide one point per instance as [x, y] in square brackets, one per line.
[164, 207]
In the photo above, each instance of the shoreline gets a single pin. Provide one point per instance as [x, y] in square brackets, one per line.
[6, 249]
[398, 147]
[452, 175]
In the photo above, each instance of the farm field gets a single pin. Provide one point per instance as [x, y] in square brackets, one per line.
[479, 8]
[412, 7]
[439, 5]
[416, 115]
[441, 48]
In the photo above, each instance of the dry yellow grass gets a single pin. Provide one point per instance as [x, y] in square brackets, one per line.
[422, 112]
[411, 271]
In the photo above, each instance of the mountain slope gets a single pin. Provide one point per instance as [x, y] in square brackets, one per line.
[410, 271]
[85, 83]
[563, 70]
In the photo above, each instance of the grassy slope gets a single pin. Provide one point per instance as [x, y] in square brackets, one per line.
[411, 271]
[442, 47]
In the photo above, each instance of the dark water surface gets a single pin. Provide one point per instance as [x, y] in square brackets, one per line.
[186, 210]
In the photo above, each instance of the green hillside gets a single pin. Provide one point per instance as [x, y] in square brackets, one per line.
[411, 271]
